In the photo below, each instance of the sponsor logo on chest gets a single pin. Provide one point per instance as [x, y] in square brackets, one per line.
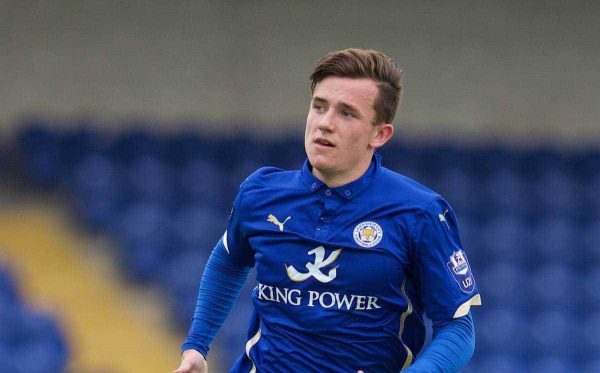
[320, 270]
[311, 298]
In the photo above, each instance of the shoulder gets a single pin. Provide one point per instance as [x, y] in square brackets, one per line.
[403, 190]
[265, 185]
[270, 180]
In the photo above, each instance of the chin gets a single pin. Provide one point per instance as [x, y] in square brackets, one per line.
[318, 161]
[322, 166]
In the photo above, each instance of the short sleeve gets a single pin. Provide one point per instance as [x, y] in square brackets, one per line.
[234, 239]
[445, 281]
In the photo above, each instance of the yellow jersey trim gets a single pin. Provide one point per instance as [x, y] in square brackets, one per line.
[225, 242]
[405, 314]
[465, 307]
[249, 345]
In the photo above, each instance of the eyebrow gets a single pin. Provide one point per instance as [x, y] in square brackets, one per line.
[352, 108]
[342, 104]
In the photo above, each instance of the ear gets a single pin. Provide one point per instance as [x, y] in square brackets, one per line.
[383, 134]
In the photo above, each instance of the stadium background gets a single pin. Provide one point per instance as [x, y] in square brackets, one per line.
[125, 129]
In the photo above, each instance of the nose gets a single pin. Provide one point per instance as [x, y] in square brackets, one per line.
[326, 121]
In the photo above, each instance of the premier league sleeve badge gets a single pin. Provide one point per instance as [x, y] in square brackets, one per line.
[461, 271]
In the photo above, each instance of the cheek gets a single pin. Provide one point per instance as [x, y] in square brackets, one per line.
[359, 142]
[357, 138]
[309, 121]
[308, 128]
[307, 132]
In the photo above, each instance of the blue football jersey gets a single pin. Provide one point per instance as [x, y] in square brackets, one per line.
[345, 274]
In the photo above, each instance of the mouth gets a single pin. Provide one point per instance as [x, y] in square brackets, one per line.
[324, 142]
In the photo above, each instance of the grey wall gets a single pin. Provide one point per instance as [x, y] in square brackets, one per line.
[523, 71]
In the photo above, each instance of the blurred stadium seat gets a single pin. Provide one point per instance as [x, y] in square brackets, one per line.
[30, 341]
[530, 221]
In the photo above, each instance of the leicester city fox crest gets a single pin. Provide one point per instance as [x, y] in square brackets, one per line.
[459, 267]
[367, 234]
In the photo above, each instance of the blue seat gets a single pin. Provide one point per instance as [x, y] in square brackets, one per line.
[505, 192]
[483, 161]
[180, 282]
[232, 150]
[287, 154]
[97, 192]
[143, 260]
[145, 236]
[181, 309]
[552, 286]
[40, 357]
[514, 280]
[200, 181]
[9, 291]
[556, 194]
[144, 220]
[234, 334]
[10, 323]
[137, 142]
[551, 334]
[500, 330]
[78, 141]
[497, 363]
[553, 238]
[591, 366]
[183, 271]
[470, 233]
[504, 237]
[94, 174]
[42, 329]
[199, 226]
[29, 340]
[591, 215]
[588, 329]
[3, 157]
[554, 365]
[148, 180]
[588, 293]
[458, 187]
[40, 154]
[8, 362]
[187, 145]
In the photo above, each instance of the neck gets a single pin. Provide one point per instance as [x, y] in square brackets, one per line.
[336, 179]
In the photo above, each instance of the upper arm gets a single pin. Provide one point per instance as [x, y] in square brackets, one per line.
[446, 284]
[235, 240]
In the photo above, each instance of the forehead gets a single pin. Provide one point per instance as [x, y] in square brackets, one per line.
[359, 92]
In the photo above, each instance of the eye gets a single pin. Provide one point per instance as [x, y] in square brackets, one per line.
[318, 107]
[346, 113]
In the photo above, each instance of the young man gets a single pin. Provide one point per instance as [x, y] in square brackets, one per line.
[349, 255]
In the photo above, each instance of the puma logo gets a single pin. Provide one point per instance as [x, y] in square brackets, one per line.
[443, 218]
[271, 218]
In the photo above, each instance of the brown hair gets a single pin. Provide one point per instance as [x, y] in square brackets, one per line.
[361, 63]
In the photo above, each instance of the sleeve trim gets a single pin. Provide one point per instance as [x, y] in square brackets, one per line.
[225, 242]
[464, 308]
